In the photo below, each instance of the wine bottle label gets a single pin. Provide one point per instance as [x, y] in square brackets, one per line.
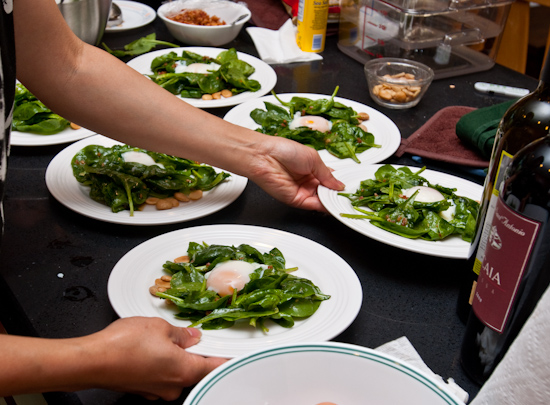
[509, 246]
[503, 163]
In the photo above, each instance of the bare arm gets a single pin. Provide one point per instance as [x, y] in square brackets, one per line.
[143, 356]
[94, 89]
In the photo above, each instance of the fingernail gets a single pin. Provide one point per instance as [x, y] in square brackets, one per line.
[194, 332]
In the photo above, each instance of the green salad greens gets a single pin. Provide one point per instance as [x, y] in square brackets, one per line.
[139, 46]
[345, 139]
[231, 74]
[31, 115]
[406, 216]
[126, 185]
[272, 293]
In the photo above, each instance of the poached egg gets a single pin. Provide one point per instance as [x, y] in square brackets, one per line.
[140, 157]
[430, 195]
[228, 276]
[204, 68]
[313, 122]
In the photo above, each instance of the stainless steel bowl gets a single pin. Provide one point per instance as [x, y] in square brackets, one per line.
[87, 18]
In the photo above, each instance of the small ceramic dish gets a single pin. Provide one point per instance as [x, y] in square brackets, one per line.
[234, 15]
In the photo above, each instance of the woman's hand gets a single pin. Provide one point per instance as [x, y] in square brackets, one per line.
[291, 173]
[144, 356]
[147, 356]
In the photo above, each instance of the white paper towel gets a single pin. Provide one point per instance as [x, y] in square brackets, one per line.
[279, 46]
[523, 375]
[403, 349]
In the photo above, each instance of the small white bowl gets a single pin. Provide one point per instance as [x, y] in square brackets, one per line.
[202, 35]
[313, 373]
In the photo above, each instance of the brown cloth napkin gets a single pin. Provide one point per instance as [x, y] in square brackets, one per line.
[270, 14]
[437, 140]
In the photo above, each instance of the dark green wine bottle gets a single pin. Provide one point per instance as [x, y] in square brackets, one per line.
[515, 269]
[525, 121]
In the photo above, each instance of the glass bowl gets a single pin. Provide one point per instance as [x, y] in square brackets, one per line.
[397, 83]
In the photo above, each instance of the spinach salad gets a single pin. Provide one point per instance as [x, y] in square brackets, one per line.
[344, 138]
[125, 185]
[271, 293]
[31, 115]
[227, 72]
[394, 210]
[139, 46]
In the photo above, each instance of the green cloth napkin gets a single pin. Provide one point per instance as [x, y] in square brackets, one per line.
[478, 128]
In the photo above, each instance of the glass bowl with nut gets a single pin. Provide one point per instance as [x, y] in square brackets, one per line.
[397, 83]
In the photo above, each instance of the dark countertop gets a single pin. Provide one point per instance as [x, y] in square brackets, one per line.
[405, 294]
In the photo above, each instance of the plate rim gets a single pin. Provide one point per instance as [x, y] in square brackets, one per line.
[54, 170]
[436, 248]
[423, 377]
[335, 163]
[18, 138]
[136, 4]
[210, 345]
[268, 84]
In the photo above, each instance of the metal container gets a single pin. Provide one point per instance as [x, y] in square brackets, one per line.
[87, 18]
[453, 37]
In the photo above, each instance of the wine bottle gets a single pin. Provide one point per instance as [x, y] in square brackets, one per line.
[515, 270]
[525, 121]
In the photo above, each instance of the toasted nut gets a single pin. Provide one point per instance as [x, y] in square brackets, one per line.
[399, 91]
[181, 197]
[153, 290]
[217, 96]
[74, 126]
[362, 116]
[227, 93]
[162, 289]
[141, 207]
[173, 201]
[151, 200]
[385, 95]
[400, 97]
[363, 127]
[161, 283]
[181, 259]
[195, 194]
[207, 97]
[164, 205]
[166, 278]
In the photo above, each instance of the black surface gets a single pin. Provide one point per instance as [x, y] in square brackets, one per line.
[405, 294]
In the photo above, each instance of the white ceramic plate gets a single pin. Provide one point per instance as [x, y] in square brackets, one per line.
[68, 135]
[263, 74]
[313, 373]
[134, 15]
[384, 130]
[451, 247]
[69, 192]
[129, 283]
